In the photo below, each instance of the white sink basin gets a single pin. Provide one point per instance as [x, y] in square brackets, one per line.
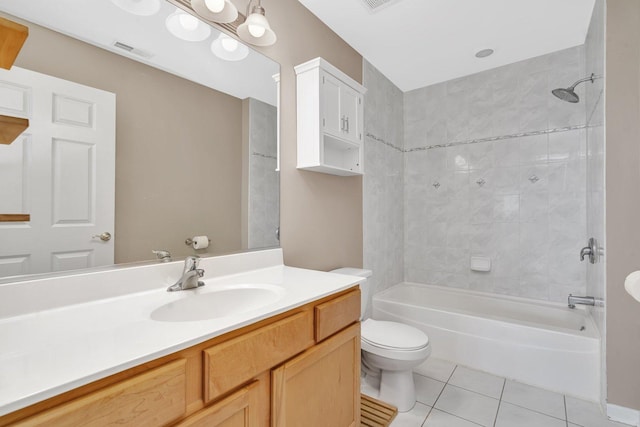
[218, 301]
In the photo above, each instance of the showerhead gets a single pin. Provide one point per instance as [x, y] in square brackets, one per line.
[566, 95]
[569, 93]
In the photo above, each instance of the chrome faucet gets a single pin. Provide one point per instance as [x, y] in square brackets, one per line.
[163, 255]
[190, 275]
[573, 300]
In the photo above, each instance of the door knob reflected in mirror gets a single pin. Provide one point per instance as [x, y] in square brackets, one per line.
[105, 237]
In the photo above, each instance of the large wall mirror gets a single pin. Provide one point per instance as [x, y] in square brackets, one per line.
[192, 119]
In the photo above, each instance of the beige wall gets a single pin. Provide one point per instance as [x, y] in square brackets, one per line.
[321, 215]
[178, 144]
[623, 199]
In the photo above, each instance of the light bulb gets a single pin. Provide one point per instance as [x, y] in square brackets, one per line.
[214, 6]
[229, 44]
[188, 22]
[256, 31]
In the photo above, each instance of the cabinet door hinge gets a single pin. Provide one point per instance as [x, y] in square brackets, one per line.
[360, 136]
[360, 101]
[322, 79]
[324, 123]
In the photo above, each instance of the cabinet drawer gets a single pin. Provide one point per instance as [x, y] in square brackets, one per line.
[154, 398]
[234, 362]
[335, 315]
[241, 409]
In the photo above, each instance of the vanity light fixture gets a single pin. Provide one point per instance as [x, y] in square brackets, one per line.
[228, 48]
[221, 11]
[256, 29]
[139, 7]
[187, 27]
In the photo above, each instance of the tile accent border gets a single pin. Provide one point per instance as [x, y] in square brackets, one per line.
[266, 156]
[475, 141]
[498, 138]
[382, 141]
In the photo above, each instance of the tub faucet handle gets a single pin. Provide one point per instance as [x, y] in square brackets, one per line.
[590, 251]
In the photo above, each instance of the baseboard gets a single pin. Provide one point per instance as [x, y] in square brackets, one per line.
[623, 415]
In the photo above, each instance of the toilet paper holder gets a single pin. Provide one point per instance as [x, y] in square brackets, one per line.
[189, 241]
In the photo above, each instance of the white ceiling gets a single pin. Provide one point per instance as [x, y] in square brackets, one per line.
[101, 23]
[416, 43]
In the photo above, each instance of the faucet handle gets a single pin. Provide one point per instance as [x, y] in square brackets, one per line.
[163, 255]
[191, 262]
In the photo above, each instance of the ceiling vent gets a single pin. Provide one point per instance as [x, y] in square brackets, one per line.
[374, 6]
[132, 50]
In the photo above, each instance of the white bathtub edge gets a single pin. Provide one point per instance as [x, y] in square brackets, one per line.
[558, 360]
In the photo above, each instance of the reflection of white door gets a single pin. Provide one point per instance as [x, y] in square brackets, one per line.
[61, 171]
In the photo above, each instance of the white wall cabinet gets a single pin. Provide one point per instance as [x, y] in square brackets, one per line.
[330, 117]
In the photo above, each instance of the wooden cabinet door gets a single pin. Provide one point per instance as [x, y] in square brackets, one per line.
[247, 407]
[320, 387]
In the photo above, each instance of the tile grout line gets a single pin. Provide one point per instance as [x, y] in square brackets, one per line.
[459, 417]
[537, 412]
[439, 394]
[495, 420]
[476, 392]
[566, 415]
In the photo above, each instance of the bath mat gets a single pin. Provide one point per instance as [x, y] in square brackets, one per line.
[374, 413]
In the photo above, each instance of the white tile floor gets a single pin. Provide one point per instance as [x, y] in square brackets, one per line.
[456, 396]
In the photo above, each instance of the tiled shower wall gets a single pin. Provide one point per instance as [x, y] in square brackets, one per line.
[494, 166]
[264, 184]
[509, 184]
[383, 180]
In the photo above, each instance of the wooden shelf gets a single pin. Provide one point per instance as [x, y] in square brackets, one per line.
[15, 217]
[12, 37]
[11, 128]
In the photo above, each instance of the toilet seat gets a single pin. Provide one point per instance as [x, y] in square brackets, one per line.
[392, 336]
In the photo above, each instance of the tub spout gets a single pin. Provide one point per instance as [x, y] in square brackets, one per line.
[573, 300]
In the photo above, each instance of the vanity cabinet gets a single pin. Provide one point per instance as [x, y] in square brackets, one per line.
[296, 368]
[320, 387]
[156, 397]
[330, 119]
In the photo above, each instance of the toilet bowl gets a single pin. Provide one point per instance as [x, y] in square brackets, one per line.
[390, 350]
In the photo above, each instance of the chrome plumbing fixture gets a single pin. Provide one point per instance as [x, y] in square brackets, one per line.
[591, 250]
[162, 255]
[569, 94]
[190, 275]
[573, 300]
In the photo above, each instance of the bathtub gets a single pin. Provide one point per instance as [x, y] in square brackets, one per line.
[543, 344]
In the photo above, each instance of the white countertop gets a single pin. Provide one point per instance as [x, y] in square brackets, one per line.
[49, 351]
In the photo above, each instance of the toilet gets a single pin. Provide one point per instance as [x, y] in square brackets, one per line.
[390, 350]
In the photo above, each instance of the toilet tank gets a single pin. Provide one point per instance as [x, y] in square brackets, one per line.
[365, 285]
